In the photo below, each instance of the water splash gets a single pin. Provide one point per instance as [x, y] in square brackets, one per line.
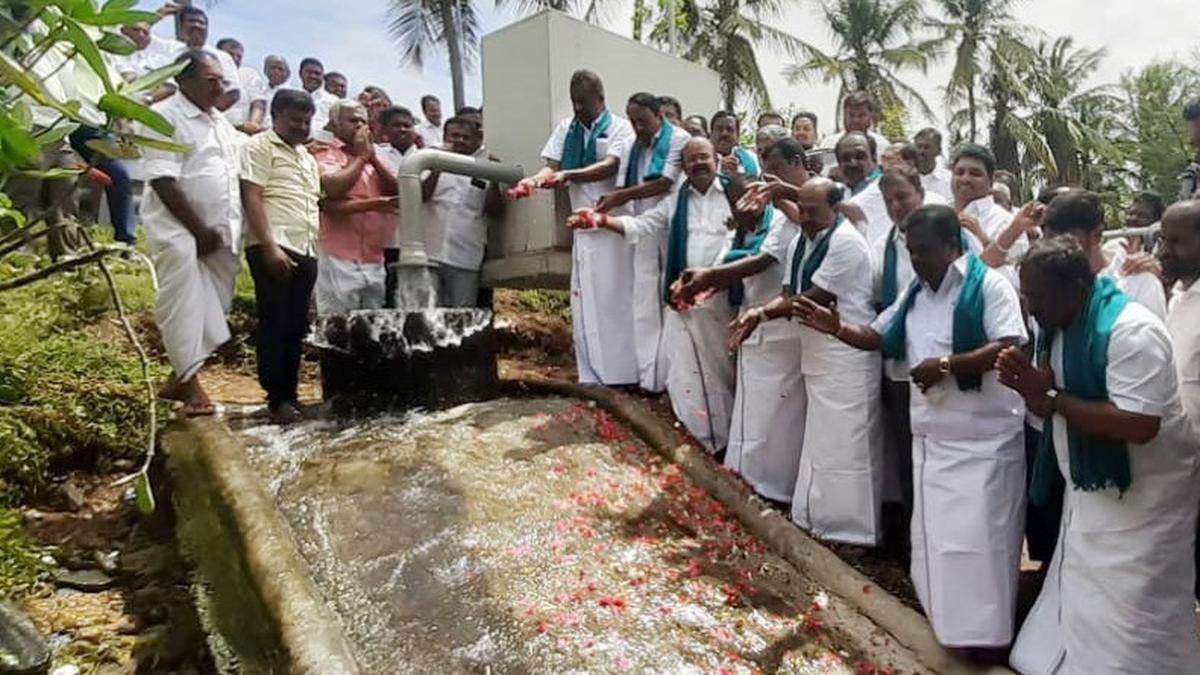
[416, 287]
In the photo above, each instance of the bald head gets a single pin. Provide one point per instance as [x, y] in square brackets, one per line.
[817, 203]
[700, 162]
[1179, 246]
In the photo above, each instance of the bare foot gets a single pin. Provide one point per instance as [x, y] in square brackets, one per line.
[196, 403]
[173, 389]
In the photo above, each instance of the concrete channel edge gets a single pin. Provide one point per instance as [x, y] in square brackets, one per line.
[908, 627]
[267, 605]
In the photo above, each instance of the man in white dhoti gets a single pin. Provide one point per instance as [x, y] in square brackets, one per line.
[193, 219]
[767, 426]
[1081, 214]
[839, 484]
[968, 466]
[902, 193]
[650, 165]
[1118, 595]
[697, 217]
[582, 155]
[1180, 254]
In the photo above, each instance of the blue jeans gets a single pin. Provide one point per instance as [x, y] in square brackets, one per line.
[120, 192]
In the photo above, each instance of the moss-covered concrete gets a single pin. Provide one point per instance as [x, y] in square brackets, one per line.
[264, 602]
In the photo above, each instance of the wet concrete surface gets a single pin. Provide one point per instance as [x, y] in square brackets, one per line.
[539, 536]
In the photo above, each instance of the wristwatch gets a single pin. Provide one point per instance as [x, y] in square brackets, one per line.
[944, 365]
[1052, 395]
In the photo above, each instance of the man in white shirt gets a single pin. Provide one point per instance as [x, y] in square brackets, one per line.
[838, 492]
[737, 164]
[336, 84]
[859, 113]
[650, 164]
[278, 73]
[248, 113]
[192, 33]
[856, 158]
[583, 154]
[1081, 214]
[398, 136]
[696, 218]
[456, 212]
[1118, 596]
[312, 79]
[152, 52]
[193, 219]
[934, 177]
[1180, 254]
[969, 473]
[973, 168]
[430, 130]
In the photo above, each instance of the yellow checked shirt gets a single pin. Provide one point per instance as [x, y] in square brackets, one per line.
[291, 184]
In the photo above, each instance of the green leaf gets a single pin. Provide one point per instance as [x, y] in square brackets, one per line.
[115, 43]
[49, 174]
[118, 18]
[155, 143]
[144, 494]
[83, 44]
[121, 106]
[17, 145]
[11, 71]
[110, 149]
[151, 80]
[56, 134]
[117, 5]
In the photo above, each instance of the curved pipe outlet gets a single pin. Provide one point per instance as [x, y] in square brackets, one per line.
[410, 234]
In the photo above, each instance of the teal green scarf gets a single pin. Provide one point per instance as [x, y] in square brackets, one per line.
[746, 245]
[800, 280]
[866, 182]
[577, 152]
[967, 333]
[890, 285]
[658, 161]
[749, 164]
[1096, 463]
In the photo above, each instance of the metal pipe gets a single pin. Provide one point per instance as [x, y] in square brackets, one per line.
[410, 232]
[1132, 231]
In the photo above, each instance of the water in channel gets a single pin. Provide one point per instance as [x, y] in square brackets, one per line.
[539, 536]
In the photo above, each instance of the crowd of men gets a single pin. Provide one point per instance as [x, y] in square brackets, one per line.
[869, 335]
[304, 180]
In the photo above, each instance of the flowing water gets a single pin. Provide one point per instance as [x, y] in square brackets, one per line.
[534, 535]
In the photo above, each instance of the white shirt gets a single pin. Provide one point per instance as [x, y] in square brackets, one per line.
[765, 286]
[870, 200]
[160, 52]
[392, 157]
[253, 89]
[994, 219]
[672, 168]
[455, 227]
[619, 134]
[994, 410]
[1143, 288]
[229, 69]
[431, 134]
[207, 173]
[843, 272]
[708, 217]
[938, 181]
[323, 101]
[268, 95]
[1183, 323]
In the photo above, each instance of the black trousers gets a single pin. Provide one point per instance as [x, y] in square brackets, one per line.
[282, 309]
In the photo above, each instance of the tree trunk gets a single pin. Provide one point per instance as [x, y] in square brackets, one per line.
[971, 109]
[454, 47]
[1004, 146]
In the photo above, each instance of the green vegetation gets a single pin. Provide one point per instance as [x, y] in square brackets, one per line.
[21, 563]
[71, 389]
[554, 303]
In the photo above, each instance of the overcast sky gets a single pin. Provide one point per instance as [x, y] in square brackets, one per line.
[351, 36]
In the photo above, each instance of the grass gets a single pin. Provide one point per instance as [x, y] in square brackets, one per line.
[556, 303]
[22, 563]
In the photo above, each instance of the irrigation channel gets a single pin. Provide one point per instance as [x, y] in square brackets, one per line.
[540, 535]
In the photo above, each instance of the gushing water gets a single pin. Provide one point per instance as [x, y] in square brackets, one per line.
[534, 535]
[416, 287]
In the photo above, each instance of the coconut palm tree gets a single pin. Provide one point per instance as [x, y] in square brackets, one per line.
[419, 26]
[588, 10]
[974, 28]
[723, 35]
[874, 41]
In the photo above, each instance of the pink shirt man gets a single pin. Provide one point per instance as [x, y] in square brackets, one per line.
[360, 237]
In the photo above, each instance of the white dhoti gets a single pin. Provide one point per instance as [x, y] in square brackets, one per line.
[700, 377]
[346, 285]
[193, 297]
[767, 428]
[602, 308]
[648, 312]
[839, 486]
[967, 527]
